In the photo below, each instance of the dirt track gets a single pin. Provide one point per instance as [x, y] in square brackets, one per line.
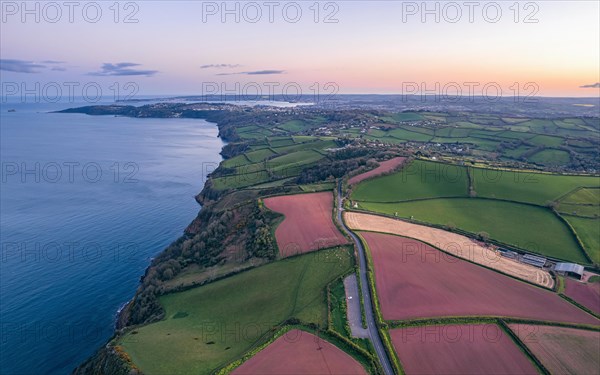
[452, 243]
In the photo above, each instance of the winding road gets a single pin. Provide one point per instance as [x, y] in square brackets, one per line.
[364, 284]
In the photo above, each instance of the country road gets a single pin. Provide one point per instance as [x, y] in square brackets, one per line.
[370, 316]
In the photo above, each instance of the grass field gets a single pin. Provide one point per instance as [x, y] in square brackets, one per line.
[584, 196]
[210, 326]
[588, 231]
[420, 179]
[529, 187]
[532, 228]
[550, 157]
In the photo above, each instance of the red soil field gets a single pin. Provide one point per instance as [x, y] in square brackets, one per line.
[414, 280]
[308, 223]
[299, 352]
[562, 350]
[384, 167]
[459, 349]
[586, 294]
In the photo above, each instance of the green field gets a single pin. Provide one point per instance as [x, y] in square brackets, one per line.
[532, 228]
[529, 187]
[212, 325]
[579, 210]
[550, 157]
[588, 231]
[420, 179]
[259, 155]
[584, 196]
[293, 126]
[408, 135]
[293, 160]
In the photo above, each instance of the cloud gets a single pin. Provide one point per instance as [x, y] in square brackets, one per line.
[255, 72]
[123, 69]
[261, 72]
[53, 62]
[220, 66]
[20, 66]
[591, 86]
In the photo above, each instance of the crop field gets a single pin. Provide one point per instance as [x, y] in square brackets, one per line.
[418, 180]
[414, 280]
[384, 167]
[532, 228]
[587, 294]
[453, 243]
[459, 349]
[308, 223]
[588, 231]
[210, 326]
[562, 350]
[299, 352]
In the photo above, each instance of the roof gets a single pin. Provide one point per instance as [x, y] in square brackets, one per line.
[569, 267]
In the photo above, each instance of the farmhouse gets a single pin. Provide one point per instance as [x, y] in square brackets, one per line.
[569, 269]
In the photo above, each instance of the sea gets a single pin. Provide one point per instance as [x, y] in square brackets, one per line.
[85, 203]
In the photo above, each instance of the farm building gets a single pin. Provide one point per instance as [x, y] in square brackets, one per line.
[534, 260]
[569, 269]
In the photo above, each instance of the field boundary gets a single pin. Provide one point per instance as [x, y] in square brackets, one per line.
[575, 236]
[528, 353]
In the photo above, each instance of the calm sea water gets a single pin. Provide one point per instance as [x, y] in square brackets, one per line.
[85, 203]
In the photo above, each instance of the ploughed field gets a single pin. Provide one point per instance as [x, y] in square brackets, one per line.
[562, 350]
[300, 352]
[209, 326]
[459, 349]
[453, 243]
[308, 223]
[528, 210]
[384, 167]
[413, 280]
[586, 294]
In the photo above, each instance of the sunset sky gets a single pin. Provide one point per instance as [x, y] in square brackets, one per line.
[375, 47]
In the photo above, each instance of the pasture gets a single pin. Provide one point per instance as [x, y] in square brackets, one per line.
[210, 326]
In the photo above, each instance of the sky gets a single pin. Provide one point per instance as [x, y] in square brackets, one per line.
[542, 48]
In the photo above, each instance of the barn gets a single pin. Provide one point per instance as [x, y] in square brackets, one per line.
[569, 269]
